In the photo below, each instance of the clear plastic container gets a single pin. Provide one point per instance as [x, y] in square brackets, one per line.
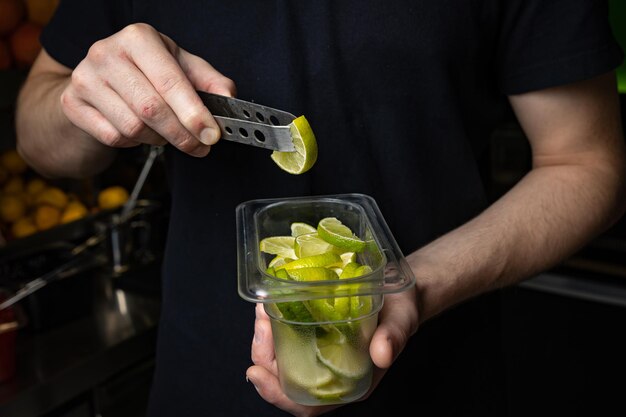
[322, 329]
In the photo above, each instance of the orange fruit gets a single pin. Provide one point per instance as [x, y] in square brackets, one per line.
[14, 185]
[112, 197]
[35, 186]
[11, 208]
[4, 174]
[12, 13]
[6, 58]
[75, 210]
[47, 217]
[13, 162]
[23, 227]
[52, 196]
[40, 11]
[24, 43]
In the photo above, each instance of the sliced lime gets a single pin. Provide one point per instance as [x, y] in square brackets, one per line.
[312, 274]
[324, 309]
[333, 231]
[278, 245]
[322, 260]
[279, 261]
[295, 311]
[341, 357]
[347, 257]
[305, 155]
[350, 270]
[301, 228]
[311, 244]
[334, 390]
[299, 365]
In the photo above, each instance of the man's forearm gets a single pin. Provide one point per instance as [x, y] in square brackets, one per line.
[45, 137]
[547, 216]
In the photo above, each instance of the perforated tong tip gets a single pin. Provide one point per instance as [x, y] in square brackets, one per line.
[250, 123]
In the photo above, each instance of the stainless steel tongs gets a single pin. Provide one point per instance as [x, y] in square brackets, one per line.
[250, 123]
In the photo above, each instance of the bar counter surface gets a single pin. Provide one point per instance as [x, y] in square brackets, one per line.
[59, 365]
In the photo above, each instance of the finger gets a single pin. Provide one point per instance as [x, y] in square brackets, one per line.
[268, 387]
[150, 108]
[164, 72]
[121, 116]
[262, 344]
[90, 120]
[204, 76]
[398, 321]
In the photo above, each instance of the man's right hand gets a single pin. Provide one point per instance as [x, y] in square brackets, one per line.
[137, 86]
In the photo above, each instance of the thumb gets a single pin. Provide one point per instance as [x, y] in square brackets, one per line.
[398, 321]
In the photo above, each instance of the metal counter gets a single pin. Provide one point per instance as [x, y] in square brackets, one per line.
[62, 363]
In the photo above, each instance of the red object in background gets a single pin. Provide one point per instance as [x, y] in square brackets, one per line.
[8, 333]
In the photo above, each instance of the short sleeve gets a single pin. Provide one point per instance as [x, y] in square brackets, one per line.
[549, 43]
[77, 24]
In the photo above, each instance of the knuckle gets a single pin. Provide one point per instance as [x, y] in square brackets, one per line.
[98, 52]
[137, 30]
[110, 137]
[168, 82]
[133, 128]
[66, 99]
[151, 108]
[79, 79]
[193, 120]
[186, 143]
[229, 84]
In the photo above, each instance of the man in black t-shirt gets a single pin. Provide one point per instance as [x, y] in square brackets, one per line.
[402, 97]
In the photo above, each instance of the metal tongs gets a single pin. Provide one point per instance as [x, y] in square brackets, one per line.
[250, 123]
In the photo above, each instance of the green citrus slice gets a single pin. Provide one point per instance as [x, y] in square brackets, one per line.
[333, 231]
[278, 245]
[326, 259]
[305, 155]
[312, 274]
[301, 228]
[311, 244]
[278, 261]
[300, 365]
[350, 270]
[295, 311]
[341, 357]
[334, 390]
[347, 257]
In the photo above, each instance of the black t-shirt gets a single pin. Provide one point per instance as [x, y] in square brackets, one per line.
[402, 97]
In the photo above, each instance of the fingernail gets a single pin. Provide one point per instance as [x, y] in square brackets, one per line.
[248, 380]
[208, 136]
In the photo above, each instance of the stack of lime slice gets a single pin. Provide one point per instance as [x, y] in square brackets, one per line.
[323, 253]
[328, 252]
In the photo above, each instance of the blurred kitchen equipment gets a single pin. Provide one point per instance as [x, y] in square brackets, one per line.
[116, 230]
[250, 123]
[133, 240]
[120, 230]
[141, 180]
[64, 270]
